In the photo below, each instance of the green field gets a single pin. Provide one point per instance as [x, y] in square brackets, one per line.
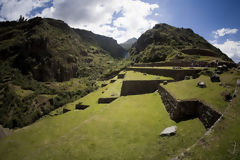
[131, 75]
[211, 95]
[128, 128]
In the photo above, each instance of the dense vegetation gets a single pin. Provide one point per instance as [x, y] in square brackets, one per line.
[45, 64]
[165, 42]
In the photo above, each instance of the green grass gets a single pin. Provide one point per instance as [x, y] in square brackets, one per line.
[170, 67]
[128, 128]
[131, 75]
[210, 95]
[113, 89]
[223, 139]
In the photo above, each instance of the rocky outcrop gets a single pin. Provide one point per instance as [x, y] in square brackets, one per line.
[180, 110]
[169, 131]
[176, 74]
[135, 87]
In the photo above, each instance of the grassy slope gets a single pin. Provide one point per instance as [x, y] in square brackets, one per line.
[128, 128]
[131, 75]
[210, 95]
[223, 143]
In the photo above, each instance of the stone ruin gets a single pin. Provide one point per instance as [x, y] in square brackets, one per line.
[80, 106]
[181, 110]
[106, 100]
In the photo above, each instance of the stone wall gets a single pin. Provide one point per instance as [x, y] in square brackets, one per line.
[121, 76]
[188, 109]
[135, 87]
[185, 64]
[178, 74]
[200, 52]
[106, 100]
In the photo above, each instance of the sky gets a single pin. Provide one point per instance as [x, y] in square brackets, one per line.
[215, 20]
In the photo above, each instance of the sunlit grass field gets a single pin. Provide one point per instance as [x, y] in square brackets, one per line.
[128, 128]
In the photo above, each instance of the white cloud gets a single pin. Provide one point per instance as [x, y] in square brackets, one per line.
[98, 16]
[231, 48]
[224, 31]
[12, 9]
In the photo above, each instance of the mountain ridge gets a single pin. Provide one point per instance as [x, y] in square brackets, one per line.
[128, 44]
[165, 42]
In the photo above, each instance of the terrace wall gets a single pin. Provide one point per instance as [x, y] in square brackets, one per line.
[180, 110]
[135, 87]
[178, 74]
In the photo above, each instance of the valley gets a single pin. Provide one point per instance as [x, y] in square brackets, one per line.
[68, 93]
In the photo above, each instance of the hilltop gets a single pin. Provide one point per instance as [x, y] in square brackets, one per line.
[167, 43]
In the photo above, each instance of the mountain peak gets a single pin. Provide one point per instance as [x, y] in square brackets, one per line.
[128, 44]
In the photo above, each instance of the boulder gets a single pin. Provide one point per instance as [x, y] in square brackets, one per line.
[238, 82]
[170, 131]
[201, 84]
[65, 110]
[228, 97]
[103, 85]
[219, 72]
[220, 68]
[165, 82]
[225, 67]
[215, 78]
[113, 80]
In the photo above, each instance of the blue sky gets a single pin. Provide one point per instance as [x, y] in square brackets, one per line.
[215, 20]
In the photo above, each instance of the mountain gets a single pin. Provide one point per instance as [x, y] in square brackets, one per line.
[49, 49]
[108, 44]
[128, 44]
[45, 64]
[164, 42]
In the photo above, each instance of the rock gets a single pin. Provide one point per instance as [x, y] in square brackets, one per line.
[219, 72]
[225, 67]
[220, 84]
[121, 76]
[201, 84]
[238, 82]
[228, 97]
[215, 78]
[113, 80]
[220, 67]
[187, 77]
[170, 131]
[103, 85]
[165, 82]
[235, 93]
[65, 110]
[177, 67]
[4, 132]
[80, 106]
